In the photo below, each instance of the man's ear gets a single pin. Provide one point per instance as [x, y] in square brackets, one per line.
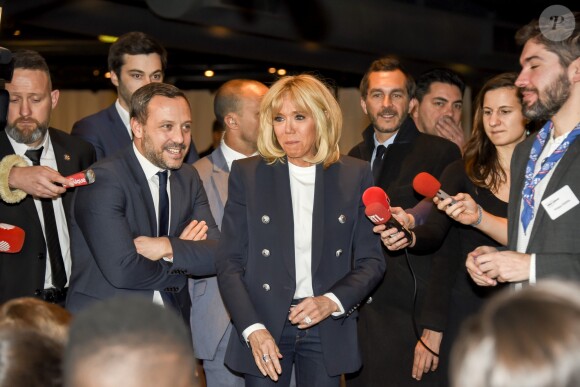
[575, 69]
[136, 128]
[413, 107]
[231, 120]
[114, 79]
[54, 97]
[363, 105]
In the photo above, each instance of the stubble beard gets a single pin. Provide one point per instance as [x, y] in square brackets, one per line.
[395, 129]
[555, 96]
[156, 158]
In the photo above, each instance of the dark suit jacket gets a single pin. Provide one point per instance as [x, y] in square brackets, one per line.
[385, 325]
[118, 207]
[555, 242]
[258, 286]
[22, 273]
[106, 131]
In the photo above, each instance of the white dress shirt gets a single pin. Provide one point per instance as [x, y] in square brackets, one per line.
[48, 159]
[150, 171]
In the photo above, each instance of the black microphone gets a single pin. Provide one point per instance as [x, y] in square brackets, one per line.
[378, 210]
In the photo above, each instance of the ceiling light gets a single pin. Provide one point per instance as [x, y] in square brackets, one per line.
[209, 73]
[281, 72]
[272, 70]
[107, 38]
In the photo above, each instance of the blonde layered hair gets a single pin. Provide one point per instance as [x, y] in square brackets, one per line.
[310, 95]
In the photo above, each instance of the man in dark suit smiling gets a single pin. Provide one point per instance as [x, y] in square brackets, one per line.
[136, 229]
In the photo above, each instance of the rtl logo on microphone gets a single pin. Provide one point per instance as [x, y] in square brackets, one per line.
[376, 219]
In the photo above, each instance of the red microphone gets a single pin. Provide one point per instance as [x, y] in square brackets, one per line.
[378, 210]
[428, 186]
[81, 178]
[11, 238]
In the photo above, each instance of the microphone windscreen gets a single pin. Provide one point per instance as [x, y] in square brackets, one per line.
[82, 178]
[11, 238]
[375, 195]
[426, 185]
[378, 213]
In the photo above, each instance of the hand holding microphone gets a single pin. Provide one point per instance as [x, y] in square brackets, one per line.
[11, 238]
[378, 210]
[428, 186]
[81, 178]
[462, 209]
[44, 182]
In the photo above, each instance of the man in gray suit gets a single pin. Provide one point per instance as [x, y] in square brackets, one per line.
[544, 215]
[236, 106]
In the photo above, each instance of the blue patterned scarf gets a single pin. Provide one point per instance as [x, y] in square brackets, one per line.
[548, 163]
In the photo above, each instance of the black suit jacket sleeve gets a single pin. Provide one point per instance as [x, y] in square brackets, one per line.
[439, 234]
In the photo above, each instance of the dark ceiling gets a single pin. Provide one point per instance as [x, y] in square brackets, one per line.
[243, 38]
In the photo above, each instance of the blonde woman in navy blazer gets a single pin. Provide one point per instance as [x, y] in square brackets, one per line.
[279, 321]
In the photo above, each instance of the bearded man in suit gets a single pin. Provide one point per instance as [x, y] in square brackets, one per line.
[136, 229]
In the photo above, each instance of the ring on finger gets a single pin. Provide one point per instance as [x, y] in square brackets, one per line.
[265, 358]
[307, 320]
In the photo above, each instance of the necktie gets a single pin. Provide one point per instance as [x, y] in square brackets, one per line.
[532, 181]
[163, 204]
[378, 163]
[52, 242]
[169, 299]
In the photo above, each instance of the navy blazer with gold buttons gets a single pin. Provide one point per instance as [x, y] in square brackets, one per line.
[256, 263]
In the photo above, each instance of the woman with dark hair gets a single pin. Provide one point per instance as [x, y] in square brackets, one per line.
[297, 255]
[481, 177]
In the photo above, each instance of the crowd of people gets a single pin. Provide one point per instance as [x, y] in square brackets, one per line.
[259, 260]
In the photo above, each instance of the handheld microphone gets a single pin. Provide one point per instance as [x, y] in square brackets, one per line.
[428, 186]
[82, 178]
[378, 210]
[11, 238]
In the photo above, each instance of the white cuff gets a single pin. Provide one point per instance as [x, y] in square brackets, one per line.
[532, 279]
[251, 329]
[338, 303]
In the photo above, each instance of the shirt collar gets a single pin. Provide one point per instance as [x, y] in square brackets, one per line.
[124, 114]
[231, 155]
[386, 143]
[20, 148]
